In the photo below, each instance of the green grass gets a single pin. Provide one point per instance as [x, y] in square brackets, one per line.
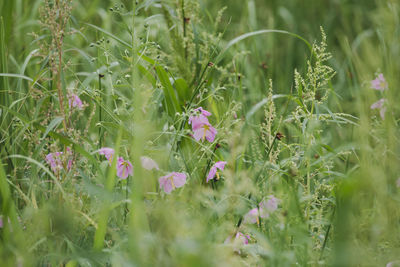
[260, 68]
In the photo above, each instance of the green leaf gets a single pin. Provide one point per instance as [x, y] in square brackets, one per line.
[169, 92]
[182, 89]
[250, 34]
[13, 75]
[52, 125]
[148, 75]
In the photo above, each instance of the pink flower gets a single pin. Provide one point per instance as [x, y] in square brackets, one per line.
[124, 168]
[74, 101]
[172, 181]
[243, 238]
[379, 83]
[398, 182]
[264, 210]
[380, 105]
[202, 129]
[55, 161]
[252, 216]
[108, 153]
[149, 163]
[240, 240]
[268, 207]
[213, 171]
[272, 203]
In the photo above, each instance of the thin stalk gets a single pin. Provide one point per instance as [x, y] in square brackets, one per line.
[59, 86]
[184, 28]
[100, 119]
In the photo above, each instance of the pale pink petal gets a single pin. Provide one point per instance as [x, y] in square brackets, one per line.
[211, 173]
[199, 122]
[54, 160]
[244, 239]
[165, 183]
[162, 180]
[69, 166]
[378, 104]
[198, 134]
[251, 216]
[179, 179]
[379, 83]
[149, 163]
[124, 168]
[108, 153]
[220, 165]
[168, 187]
[272, 203]
[263, 209]
[210, 134]
[75, 101]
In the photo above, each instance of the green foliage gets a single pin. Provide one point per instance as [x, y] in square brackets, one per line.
[294, 121]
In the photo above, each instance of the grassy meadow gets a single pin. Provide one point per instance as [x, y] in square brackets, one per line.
[199, 133]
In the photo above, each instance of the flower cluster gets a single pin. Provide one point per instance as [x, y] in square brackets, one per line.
[202, 129]
[57, 160]
[124, 168]
[75, 102]
[380, 84]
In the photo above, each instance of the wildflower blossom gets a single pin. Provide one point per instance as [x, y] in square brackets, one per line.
[201, 127]
[108, 153]
[269, 206]
[124, 168]
[172, 181]
[379, 83]
[380, 105]
[149, 163]
[242, 238]
[239, 241]
[54, 160]
[252, 216]
[214, 170]
[264, 210]
[393, 264]
[75, 102]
